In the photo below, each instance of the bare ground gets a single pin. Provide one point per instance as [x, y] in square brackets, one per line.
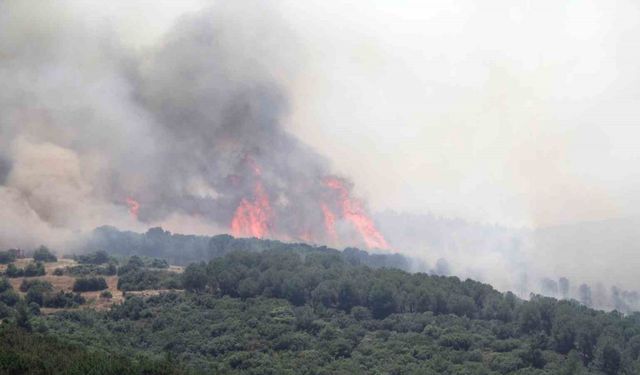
[65, 283]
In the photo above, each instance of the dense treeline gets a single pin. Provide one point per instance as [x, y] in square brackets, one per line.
[179, 249]
[331, 281]
[89, 284]
[291, 309]
[318, 312]
[30, 270]
[25, 353]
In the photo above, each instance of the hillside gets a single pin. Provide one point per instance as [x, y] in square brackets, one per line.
[298, 309]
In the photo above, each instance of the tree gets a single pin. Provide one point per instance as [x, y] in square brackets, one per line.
[89, 284]
[43, 254]
[13, 271]
[7, 257]
[35, 296]
[22, 317]
[608, 357]
[194, 277]
[381, 301]
[34, 269]
[98, 257]
[5, 284]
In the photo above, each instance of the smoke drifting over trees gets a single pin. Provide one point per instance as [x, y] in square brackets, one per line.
[188, 131]
[188, 134]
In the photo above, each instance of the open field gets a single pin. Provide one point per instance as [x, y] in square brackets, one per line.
[65, 283]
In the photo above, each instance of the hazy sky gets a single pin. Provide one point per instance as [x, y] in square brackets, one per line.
[516, 112]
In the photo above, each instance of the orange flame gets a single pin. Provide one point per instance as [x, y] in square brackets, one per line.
[252, 217]
[353, 211]
[134, 207]
[329, 223]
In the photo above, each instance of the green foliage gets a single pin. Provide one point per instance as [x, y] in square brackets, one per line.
[35, 284]
[195, 277]
[144, 279]
[135, 275]
[43, 254]
[5, 284]
[13, 271]
[63, 299]
[89, 284]
[7, 257]
[300, 310]
[32, 269]
[106, 294]
[27, 353]
[157, 263]
[109, 269]
[181, 249]
[98, 257]
[9, 297]
[284, 313]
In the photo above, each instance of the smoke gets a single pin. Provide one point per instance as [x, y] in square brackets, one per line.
[186, 133]
[591, 262]
[242, 113]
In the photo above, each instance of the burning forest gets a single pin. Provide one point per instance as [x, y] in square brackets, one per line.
[190, 130]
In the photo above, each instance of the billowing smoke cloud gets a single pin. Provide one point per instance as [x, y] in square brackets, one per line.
[187, 133]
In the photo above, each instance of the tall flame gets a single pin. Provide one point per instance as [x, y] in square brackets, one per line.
[255, 217]
[353, 210]
[329, 223]
[134, 207]
[252, 218]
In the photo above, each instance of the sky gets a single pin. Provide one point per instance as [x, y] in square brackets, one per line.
[520, 113]
[514, 112]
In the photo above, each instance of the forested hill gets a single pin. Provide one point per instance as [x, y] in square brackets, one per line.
[180, 249]
[277, 308]
[279, 312]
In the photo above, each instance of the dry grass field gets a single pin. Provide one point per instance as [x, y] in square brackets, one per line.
[65, 283]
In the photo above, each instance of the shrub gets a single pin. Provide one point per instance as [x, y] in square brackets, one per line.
[134, 263]
[143, 279]
[35, 296]
[34, 269]
[7, 257]
[13, 271]
[34, 308]
[42, 254]
[92, 270]
[9, 297]
[158, 263]
[41, 285]
[5, 284]
[106, 294]
[63, 300]
[89, 284]
[58, 272]
[98, 257]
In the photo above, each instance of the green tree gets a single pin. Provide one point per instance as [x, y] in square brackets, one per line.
[43, 254]
[381, 301]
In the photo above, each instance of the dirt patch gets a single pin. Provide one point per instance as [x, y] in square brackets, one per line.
[65, 283]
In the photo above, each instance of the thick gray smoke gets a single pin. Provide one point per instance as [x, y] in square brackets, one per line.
[189, 129]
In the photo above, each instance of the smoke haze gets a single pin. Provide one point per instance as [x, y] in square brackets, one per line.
[203, 113]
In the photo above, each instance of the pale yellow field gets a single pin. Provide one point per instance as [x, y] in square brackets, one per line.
[65, 283]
